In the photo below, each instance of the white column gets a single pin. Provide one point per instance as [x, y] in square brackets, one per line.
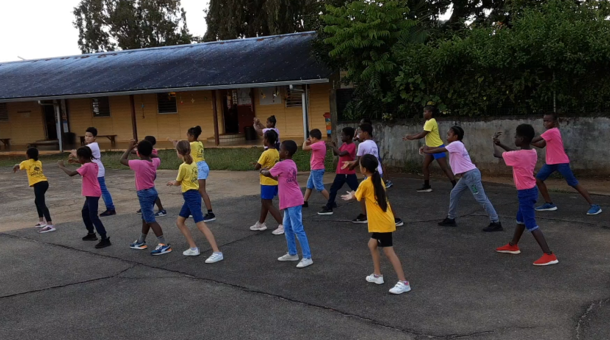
[58, 124]
[305, 105]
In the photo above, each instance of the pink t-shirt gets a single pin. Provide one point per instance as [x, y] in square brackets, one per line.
[289, 191]
[351, 149]
[523, 163]
[555, 153]
[91, 186]
[146, 172]
[459, 159]
[318, 154]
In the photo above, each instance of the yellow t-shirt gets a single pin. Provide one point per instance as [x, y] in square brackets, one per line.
[34, 170]
[433, 138]
[379, 221]
[187, 174]
[197, 151]
[267, 161]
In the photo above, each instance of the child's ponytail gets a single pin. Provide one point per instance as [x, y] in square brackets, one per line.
[184, 148]
[370, 163]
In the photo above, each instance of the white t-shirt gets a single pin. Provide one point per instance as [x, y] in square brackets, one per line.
[369, 147]
[97, 158]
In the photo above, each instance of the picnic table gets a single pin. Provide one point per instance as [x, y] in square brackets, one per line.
[111, 137]
[6, 142]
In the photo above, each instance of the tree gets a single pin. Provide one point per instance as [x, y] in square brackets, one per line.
[107, 25]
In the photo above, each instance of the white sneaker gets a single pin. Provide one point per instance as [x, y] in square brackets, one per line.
[215, 257]
[305, 263]
[191, 252]
[279, 230]
[401, 288]
[46, 229]
[258, 226]
[40, 225]
[288, 258]
[375, 279]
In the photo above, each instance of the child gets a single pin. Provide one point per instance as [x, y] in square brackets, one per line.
[381, 222]
[203, 170]
[91, 142]
[145, 170]
[91, 190]
[557, 160]
[291, 201]
[433, 140]
[38, 181]
[269, 125]
[152, 140]
[316, 176]
[367, 147]
[386, 179]
[188, 180]
[346, 153]
[523, 162]
[268, 185]
[461, 165]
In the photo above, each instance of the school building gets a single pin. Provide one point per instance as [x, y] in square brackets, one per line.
[220, 86]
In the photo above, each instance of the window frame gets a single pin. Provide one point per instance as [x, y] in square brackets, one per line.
[93, 100]
[175, 102]
[289, 99]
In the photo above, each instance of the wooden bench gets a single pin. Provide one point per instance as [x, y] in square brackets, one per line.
[6, 142]
[47, 143]
[111, 137]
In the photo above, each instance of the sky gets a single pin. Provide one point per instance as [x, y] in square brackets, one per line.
[33, 29]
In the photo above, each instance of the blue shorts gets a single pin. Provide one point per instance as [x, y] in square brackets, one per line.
[439, 155]
[203, 170]
[527, 213]
[563, 169]
[316, 180]
[268, 192]
[192, 206]
[147, 198]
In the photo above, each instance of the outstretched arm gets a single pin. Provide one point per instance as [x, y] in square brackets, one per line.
[15, 167]
[539, 142]
[66, 170]
[336, 150]
[125, 157]
[258, 126]
[429, 150]
[267, 173]
[417, 136]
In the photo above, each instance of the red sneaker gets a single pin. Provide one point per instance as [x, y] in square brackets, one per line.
[546, 260]
[508, 249]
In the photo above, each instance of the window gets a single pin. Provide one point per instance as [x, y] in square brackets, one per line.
[100, 107]
[3, 112]
[166, 102]
[294, 96]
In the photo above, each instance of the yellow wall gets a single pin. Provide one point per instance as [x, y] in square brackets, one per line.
[25, 123]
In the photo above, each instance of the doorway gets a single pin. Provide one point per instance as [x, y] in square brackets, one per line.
[229, 110]
[49, 122]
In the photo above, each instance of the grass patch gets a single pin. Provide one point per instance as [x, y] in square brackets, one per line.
[217, 159]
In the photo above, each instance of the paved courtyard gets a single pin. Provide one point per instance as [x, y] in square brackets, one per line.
[55, 286]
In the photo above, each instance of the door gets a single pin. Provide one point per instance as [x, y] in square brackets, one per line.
[229, 111]
[49, 122]
[245, 109]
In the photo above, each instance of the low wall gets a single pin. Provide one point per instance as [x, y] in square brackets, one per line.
[583, 140]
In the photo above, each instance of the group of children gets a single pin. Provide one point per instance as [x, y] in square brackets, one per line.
[278, 177]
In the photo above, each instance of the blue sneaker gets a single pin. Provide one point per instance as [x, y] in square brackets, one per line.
[389, 184]
[161, 249]
[595, 209]
[547, 207]
[138, 245]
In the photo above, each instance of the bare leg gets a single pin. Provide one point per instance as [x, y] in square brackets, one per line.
[208, 235]
[539, 236]
[386, 175]
[180, 222]
[427, 161]
[204, 194]
[325, 194]
[273, 210]
[389, 252]
[517, 235]
[158, 203]
[543, 191]
[363, 206]
[443, 163]
[156, 229]
[145, 227]
[375, 255]
[264, 210]
[584, 193]
[307, 195]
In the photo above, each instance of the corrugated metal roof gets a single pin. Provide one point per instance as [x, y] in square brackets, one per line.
[254, 62]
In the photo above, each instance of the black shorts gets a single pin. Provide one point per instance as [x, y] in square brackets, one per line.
[383, 239]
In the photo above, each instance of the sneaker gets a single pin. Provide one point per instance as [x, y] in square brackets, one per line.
[161, 249]
[215, 257]
[546, 260]
[398, 222]
[305, 204]
[258, 226]
[494, 226]
[448, 222]
[508, 249]
[389, 184]
[40, 225]
[46, 229]
[108, 213]
[400, 288]
[547, 207]
[161, 213]
[425, 188]
[325, 211]
[139, 212]
[90, 237]
[361, 219]
[209, 217]
[335, 205]
[103, 243]
[191, 252]
[138, 245]
[305, 263]
[279, 230]
[288, 258]
[595, 209]
[375, 279]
